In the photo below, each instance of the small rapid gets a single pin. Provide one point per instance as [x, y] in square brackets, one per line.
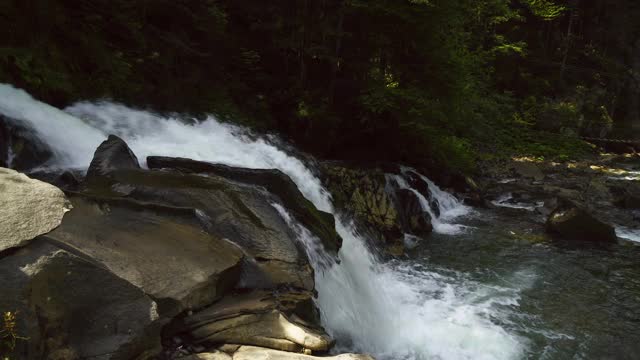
[396, 310]
[447, 207]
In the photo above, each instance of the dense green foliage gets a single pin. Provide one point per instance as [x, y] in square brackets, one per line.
[420, 81]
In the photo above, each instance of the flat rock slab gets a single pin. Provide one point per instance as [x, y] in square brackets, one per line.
[260, 319]
[159, 249]
[28, 208]
[258, 353]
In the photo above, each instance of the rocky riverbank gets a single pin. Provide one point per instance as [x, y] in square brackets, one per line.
[591, 197]
[160, 262]
[182, 258]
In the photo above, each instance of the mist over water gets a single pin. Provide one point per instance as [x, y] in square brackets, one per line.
[397, 310]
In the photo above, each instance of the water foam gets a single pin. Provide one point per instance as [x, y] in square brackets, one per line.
[395, 311]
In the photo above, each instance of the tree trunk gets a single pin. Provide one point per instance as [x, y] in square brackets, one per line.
[572, 17]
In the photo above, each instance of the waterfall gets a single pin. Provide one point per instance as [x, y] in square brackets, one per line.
[393, 310]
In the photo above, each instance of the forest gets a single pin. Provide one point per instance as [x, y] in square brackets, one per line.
[424, 82]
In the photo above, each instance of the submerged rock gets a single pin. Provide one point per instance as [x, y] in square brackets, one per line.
[573, 223]
[28, 208]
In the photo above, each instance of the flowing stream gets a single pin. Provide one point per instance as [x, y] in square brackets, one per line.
[469, 292]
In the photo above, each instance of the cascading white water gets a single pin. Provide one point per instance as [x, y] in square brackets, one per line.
[68, 138]
[11, 156]
[449, 207]
[395, 311]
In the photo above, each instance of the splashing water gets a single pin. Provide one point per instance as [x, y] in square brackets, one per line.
[508, 201]
[449, 207]
[395, 311]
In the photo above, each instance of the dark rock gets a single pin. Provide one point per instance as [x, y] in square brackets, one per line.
[111, 155]
[413, 219]
[67, 180]
[572, 223]
[19, 149]
[320, 223]
[420, 185]
[626, 195]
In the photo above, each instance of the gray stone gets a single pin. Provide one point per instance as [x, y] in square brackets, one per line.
[158, 249]
[70, 307]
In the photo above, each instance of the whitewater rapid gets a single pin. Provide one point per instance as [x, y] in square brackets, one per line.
[392, 310]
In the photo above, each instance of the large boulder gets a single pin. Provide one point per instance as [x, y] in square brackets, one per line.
[259, 353]
[362, 194]
[28, 208]
[320, 223]
[240, 213]
[261, 319]
[70, 307]
[573, 223]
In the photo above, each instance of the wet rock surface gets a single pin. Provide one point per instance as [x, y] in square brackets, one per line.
[362, 193]
[276, 182]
